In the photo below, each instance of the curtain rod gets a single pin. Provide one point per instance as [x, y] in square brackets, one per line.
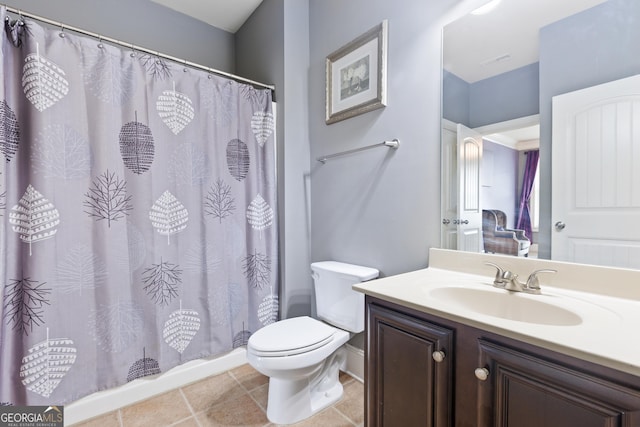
[138, 48]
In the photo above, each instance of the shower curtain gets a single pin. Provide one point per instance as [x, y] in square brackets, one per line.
[137, 214]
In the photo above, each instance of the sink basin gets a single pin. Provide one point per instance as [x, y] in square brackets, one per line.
[507, 305]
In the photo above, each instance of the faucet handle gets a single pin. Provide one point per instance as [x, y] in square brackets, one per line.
[500, 272]
[533, 283]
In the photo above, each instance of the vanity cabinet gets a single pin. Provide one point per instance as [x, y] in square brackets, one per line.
[484, 379]
[409, 370]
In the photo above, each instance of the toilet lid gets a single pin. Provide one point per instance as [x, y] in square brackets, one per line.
[291, 336]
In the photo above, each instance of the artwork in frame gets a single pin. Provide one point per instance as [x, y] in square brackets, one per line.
[357, 76]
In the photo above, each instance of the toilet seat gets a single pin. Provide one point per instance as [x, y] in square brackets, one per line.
[290, 337]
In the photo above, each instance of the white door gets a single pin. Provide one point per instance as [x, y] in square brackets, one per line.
[469, 218]
[596, 175]
[449, 187]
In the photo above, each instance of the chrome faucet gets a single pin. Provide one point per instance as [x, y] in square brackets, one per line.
[507, 280]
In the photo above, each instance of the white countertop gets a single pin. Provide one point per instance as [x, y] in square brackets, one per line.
[607, 332]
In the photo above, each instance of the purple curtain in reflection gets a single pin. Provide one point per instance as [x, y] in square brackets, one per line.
[524, 217]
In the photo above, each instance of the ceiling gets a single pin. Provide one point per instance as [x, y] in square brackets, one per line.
[228, 15]
[480, 46]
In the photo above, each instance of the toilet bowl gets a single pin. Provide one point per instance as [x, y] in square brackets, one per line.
[302, 356]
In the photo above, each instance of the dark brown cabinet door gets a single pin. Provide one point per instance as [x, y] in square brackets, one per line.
[526, 391]
[409, 371]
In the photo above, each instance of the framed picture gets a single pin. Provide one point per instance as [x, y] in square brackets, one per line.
[357, 76]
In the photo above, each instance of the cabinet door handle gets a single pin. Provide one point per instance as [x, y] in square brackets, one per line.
[438, 356]
[482, 374]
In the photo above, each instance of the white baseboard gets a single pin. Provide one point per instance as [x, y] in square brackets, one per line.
[355, 362]
[106, 401]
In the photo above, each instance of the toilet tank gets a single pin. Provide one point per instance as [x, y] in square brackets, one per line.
[336, 302]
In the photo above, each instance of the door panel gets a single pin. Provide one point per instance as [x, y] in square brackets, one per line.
[449, 193]
[469, 147]
[596, 175]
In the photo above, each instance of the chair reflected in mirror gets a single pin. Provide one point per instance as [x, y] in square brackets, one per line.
[498, 239]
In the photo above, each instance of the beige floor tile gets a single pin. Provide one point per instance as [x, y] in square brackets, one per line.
[345, 378]
[261, 395]
[107, 420]
[212, 391]
[249, 377]
[242, 411]
[326, 418]
[352, 402]
[189, 422]
[162, 410]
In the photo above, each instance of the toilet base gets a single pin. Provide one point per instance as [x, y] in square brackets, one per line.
[291, 401]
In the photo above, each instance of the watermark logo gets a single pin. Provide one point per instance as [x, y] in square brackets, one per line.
[31, 416]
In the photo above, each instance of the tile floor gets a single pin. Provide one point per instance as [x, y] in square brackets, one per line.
[234, 398]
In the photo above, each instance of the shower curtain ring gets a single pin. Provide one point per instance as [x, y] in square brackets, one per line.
[62, 31]
[185, 66]
[133, 51]
[100, 45]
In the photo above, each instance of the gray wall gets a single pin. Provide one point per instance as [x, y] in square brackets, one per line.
[497, 99]
[273, 46]
[455, 98]
[589, 48]
[379, 208]
[142, 23]
[505, 97]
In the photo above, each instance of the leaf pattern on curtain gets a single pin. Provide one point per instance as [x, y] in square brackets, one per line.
[137, 146]
[189, 166]
[116, 326]
[268, 309]
[162, 282]
[241, 338]
[238, 159]
[219, 202]
[80, 271]
[3, 199]
[9, 131]
[61, 152]
[257, 269]
[143, 367]
[107, 199]
[23, 304]
[43, 82]
[107, 77]
[175, 109]
[262, 125]
[182, 326]
[168, 216]
[46, 364]
[226, 114]
[219, 100]
[201, 259]
[259, 214]
[226, 303]
[219, 303]
[34, 218]
[157, 67]
[133, 258]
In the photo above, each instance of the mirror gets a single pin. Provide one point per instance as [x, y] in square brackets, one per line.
[501, 71]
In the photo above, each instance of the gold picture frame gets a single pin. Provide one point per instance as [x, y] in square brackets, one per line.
[356, 76]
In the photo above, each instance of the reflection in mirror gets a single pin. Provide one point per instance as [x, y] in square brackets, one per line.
[502, 72]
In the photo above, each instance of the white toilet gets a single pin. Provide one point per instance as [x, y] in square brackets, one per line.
[302, 356]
